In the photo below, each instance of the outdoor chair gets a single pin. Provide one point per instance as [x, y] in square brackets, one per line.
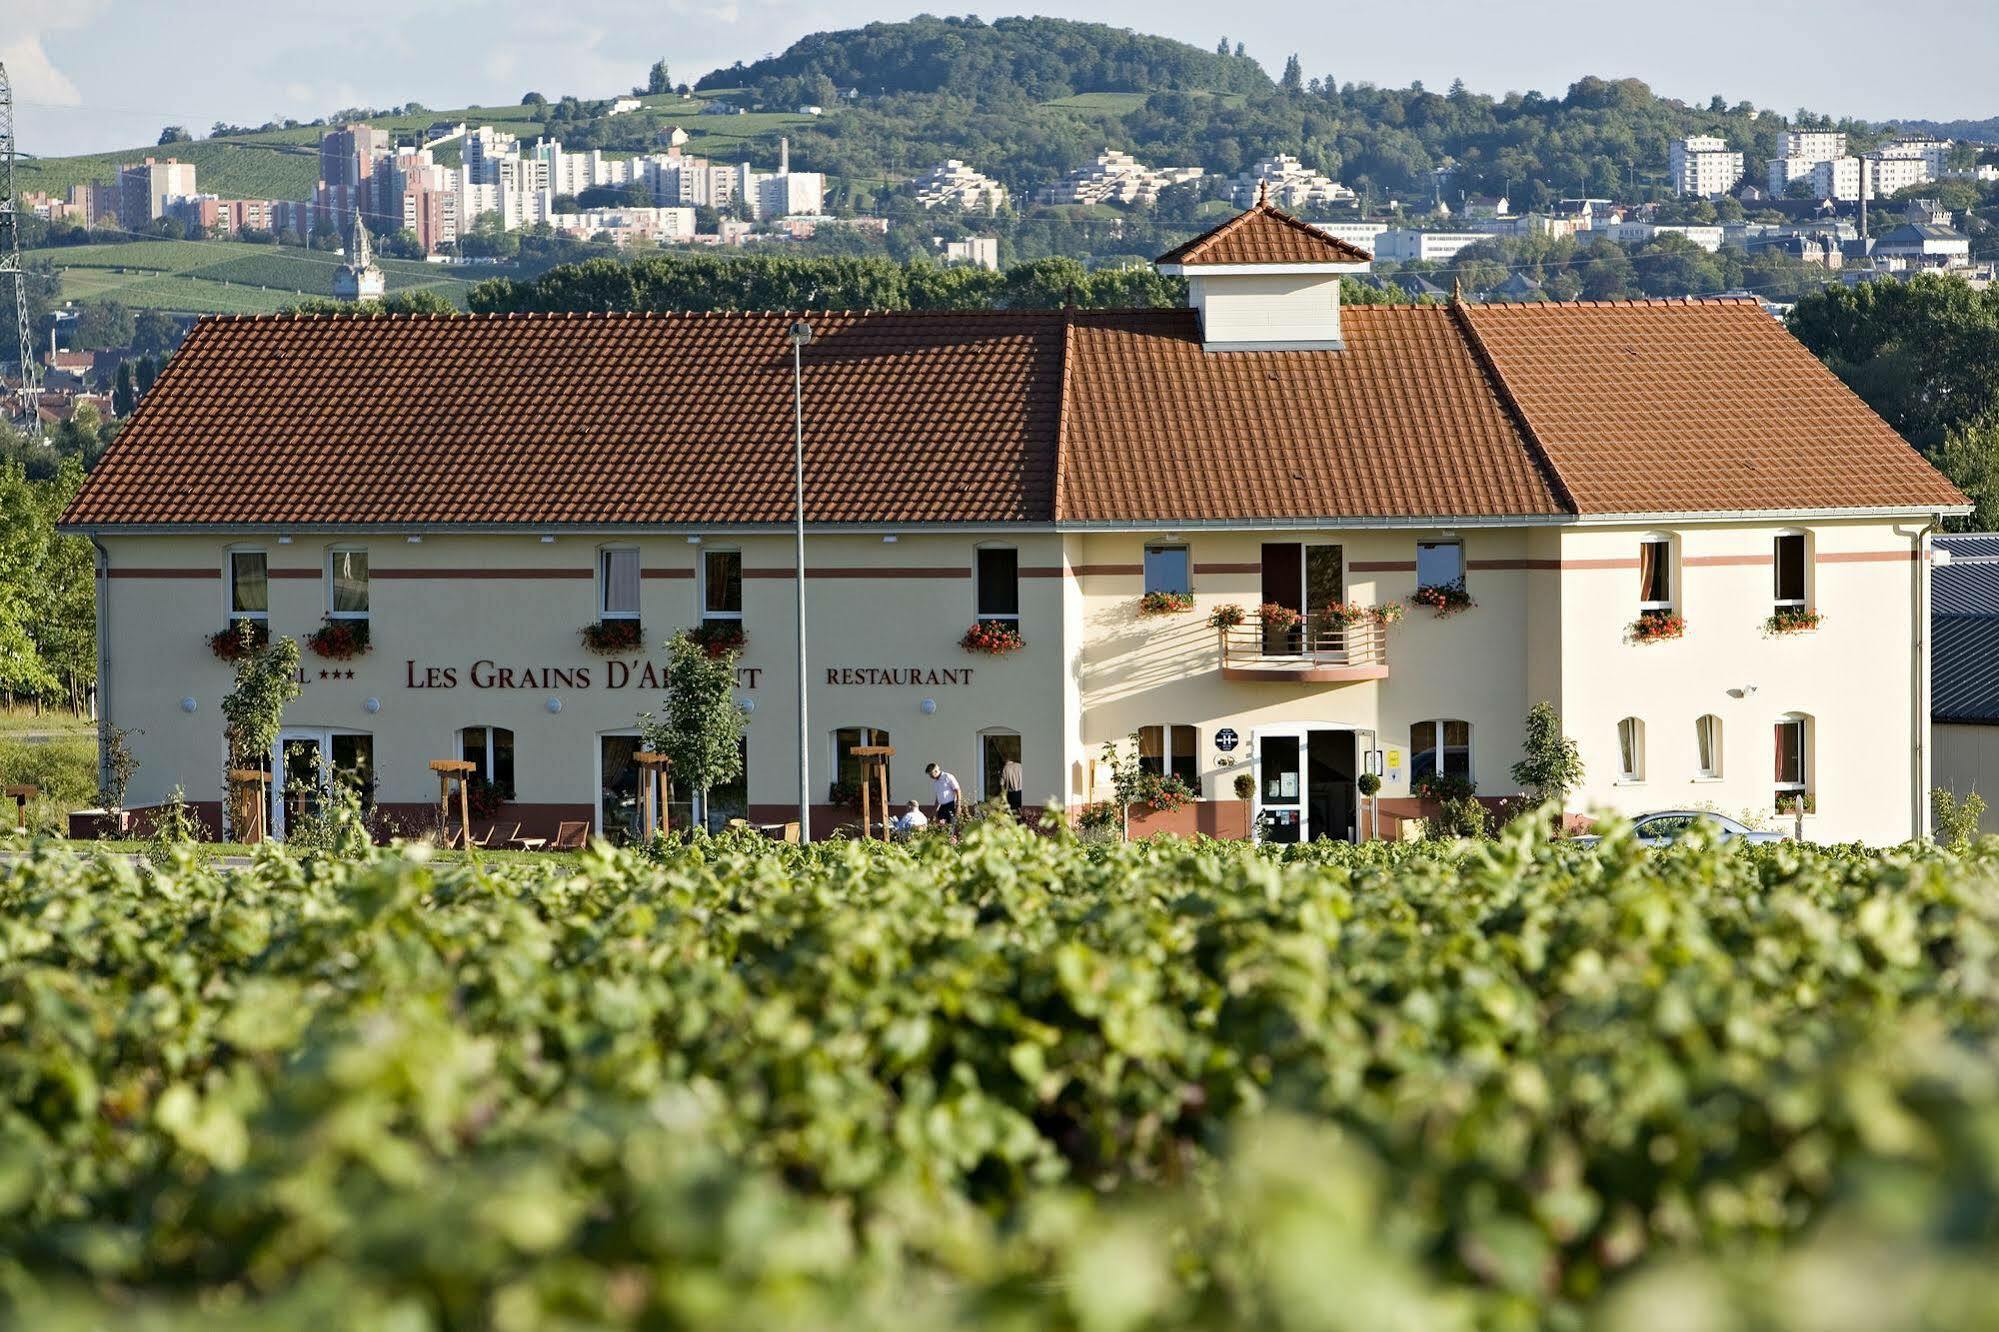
[570, 836]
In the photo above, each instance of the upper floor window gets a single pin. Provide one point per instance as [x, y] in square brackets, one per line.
[618, 583]
[1631, 750]
[1441, 747]
[1170, 751]
[249, 585]
[1707, 745]
[722, 585]
[347, 583]
[1440, 563]
[1167, 569]
[1655, 574]
[998, 578]
[1791, 566]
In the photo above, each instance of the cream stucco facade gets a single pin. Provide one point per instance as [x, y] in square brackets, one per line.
[482, 630]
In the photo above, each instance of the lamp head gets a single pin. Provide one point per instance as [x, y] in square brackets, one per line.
[799, 334]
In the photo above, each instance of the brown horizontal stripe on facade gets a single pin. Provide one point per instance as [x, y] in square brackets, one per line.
[1511, 564]
[1229, 568]
[291, 573]
[1599, 564]
[1866, 556]
[1114, 570]
[164, 573]
[666, 573]
[454, 575]
[1726, 561]
[1043, 571]
[836, 572]
[1383, 566]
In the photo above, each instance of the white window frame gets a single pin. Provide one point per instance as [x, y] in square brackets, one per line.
[1712, 770]
[1671, 603]
[979, 613]
[486, 761]
[604, 611]
[229, 612]
[1630, 751]
[1463, 578]
[702, 612]
[1777, 570]
[1145, 565]
[987, 734]
[1806, 740]
[869, 729]
[1437, 745]
[1166, 747]
[333, 553]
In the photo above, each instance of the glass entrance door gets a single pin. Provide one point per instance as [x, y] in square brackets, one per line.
[1305, 787]
[1280, 788]
[301, 781]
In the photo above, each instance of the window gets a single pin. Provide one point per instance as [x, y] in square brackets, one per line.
[721, 585]
[1631, 750]
[1171, 751]
[1655, 574]
[492, 748]
[1441, 747]
[998, 584]
[1793, 761]
[1707, 745]
[846, 767]
[1791, 566]
[249, 586]
[731, 800]
[1440, 563]
[619, 817]
[1167, 569]
[347, 584]
[618, 583]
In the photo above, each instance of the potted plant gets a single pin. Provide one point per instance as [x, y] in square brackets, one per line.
[1347, 613]
[1226, 617]
[1444, 598]
[1656, 626]
[339, 640]
[239, 640]
[609, 636]
[1165, 603]
[1388, 612]
[1441, 786]
[1245, 791]
[1274, 616]
[1369, 784]
[719, 637]
[994, 638]
[1793, 620]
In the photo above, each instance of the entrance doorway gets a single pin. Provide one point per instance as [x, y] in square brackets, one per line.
[1305, 784]
[308, 760]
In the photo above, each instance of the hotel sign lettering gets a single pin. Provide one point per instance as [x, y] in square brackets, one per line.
[488, 674]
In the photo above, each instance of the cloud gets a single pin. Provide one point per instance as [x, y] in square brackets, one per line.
[33, 75]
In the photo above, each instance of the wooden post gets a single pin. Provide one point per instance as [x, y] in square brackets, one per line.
[241, 777]
[21, 796]
[874, 769]
[459, 770]
[652, 784]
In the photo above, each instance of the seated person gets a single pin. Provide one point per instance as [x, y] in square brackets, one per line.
[910, 820]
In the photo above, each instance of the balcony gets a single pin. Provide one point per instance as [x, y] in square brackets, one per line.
[1319, 651]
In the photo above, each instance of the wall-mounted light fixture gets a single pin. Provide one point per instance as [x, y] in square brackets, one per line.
[373, 705]
[694, 541]
[284, 541]
[548, 541]
[929, 706]
[749, 706]
[555, 705]
[188, 705]
[889, 540]
[414, 540]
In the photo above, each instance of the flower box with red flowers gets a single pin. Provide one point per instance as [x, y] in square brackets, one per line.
[1347, 613]
[239, 640]
[994, 638]
[1388, 612]
[339, 640]
[1165, 603]
[1226, 617]
[1444, 598]
[718, 638]
[1793, 620]
[608, 636]
[1273, 616]
[1658, 626]
[484, 798]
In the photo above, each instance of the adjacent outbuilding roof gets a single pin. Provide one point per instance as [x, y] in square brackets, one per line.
[1527, 412]
[1264, 234]
[1964, 631]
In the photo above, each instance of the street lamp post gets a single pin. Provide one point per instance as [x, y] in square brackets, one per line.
[799, 334]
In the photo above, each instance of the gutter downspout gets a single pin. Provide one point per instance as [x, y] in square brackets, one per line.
[103, 662]
[1919, 677]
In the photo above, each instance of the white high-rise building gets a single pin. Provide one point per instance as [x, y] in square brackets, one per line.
[1814, 145]
[1702, 165]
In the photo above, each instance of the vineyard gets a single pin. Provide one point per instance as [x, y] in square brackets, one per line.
[222, 277]
[1014, 1082]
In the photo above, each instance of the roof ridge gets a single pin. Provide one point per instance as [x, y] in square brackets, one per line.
[1062, 422]
[1190, 251]
[1461, 318]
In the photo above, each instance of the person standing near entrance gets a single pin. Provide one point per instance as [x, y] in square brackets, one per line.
[946, 791]
[1011, 780]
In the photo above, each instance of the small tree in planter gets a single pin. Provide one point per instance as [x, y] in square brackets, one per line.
[1245, 791]
[701, 729]
[254, 712]
[1132, 785]
[1551, 766]
[1369, 786]
[119, 765]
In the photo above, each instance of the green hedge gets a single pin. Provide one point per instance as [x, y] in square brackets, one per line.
[1014, 1082]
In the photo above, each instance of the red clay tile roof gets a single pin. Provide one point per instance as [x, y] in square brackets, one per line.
[612, 419]
[1694, 406]
[1264, 235]
[1403, 422]
[995, 417]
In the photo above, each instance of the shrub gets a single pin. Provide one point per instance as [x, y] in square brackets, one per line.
[1956, 820]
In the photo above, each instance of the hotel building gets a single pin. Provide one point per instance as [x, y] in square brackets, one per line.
[1586, 476]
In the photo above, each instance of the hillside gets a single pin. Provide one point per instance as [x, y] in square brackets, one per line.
[221, 277]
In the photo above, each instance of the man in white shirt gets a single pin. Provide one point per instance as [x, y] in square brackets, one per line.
[911, 820]
[946, 791]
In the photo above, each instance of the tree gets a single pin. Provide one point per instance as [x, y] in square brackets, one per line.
[148, 373]
[103, 324]
[1955, 821]
[533, 99]
[253, 714]
[155, 333]
[1550, 766]
[1970, 458]
[1293, 80]
[175, 134]
[658, 80]
[701, 729]
[123, 400]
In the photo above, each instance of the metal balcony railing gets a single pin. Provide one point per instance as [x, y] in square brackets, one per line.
[1320, 647]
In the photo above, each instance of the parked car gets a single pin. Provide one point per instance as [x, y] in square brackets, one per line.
[1670, 825]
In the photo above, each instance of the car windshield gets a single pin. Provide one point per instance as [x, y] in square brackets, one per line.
[1667, 825]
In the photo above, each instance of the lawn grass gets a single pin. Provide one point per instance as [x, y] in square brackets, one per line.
[63, 770]
[57, 721]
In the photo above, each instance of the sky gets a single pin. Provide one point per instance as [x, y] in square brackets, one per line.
[102, 75]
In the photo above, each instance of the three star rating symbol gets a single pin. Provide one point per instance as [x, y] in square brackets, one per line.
[336, 675]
